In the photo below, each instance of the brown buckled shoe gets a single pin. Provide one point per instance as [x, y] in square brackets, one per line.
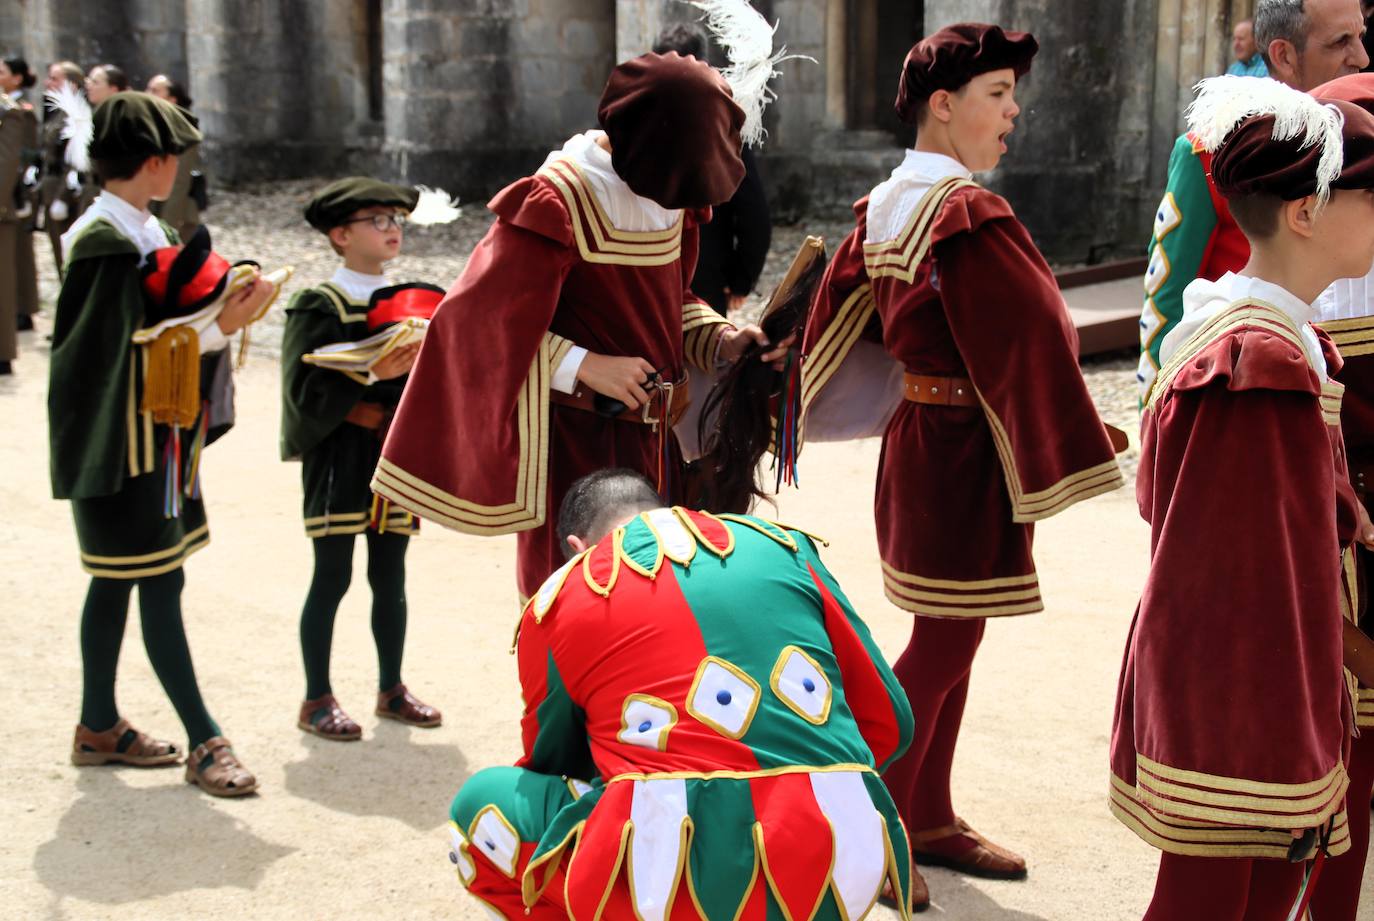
[949, 847]
[223, 775]
[920, 893]
[121, 744]
[325, 718]
[404, 707]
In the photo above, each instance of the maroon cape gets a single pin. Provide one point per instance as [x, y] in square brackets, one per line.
[963, 292]
[1233, 711]
[476, 444]
[1355, 340]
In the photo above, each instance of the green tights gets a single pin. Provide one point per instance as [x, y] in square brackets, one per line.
[386, 574]
[102, 633]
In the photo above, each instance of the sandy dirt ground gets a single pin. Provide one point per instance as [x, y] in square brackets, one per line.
[358, 830]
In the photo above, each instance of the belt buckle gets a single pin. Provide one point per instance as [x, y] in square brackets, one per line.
[663, 390]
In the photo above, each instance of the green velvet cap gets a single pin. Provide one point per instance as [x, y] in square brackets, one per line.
[132, 124]
[338, 201]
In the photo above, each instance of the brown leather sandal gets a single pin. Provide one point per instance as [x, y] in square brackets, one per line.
[410, 709]
[920, 894]
[91, 748]
[984, 859]
[224, 775]
[335, 724]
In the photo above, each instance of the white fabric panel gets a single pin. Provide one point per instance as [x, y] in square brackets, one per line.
[626, 210]
[793, 681]
[548, 592]
[646, 724]
[1347, 299]
[359, 286]
[699, 385]
[678, 543]
[723, 699]
[860, 856]
[657, 811]
[890, 204]
[459, 857]
[497, 842]
[860, 398]
[1203, 300]
[140, 228]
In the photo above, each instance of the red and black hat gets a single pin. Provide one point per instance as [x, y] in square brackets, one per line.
[401, 302]
[179, 280]
[950, 58]
[674, 129]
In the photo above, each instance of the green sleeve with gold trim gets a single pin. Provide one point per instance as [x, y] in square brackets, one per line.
[1184, 223]
[553, 727]
[315, 400]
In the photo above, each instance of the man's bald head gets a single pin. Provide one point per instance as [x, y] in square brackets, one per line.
[1307, 43]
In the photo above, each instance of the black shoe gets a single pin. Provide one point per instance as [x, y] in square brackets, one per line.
[25, 323]
[5, 368]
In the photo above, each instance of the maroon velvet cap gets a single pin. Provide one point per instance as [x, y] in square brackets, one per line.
[674, 130]
[1251, 162]
[950, 58]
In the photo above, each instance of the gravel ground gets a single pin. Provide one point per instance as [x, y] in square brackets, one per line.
[266, 224]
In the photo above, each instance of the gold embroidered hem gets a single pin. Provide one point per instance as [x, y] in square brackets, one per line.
[1364, 709]
[1214, 799]
[1202, 839]
[1351, 337]
[957, 598]
[598, 240]
[145, 565]
[398, 521]
[902, 256]
[527, 508]
[702, 328]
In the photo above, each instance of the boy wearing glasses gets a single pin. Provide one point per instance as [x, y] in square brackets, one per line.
[333, 422]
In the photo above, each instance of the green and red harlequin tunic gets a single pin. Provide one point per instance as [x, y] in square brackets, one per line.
[705, 721]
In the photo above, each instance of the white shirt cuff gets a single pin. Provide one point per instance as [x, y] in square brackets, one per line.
[212, 338]
[565, 377]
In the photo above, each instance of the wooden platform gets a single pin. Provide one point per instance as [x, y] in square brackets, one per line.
[1105, 303]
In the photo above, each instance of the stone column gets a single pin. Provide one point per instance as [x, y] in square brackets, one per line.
[280, 85]
[144, 37]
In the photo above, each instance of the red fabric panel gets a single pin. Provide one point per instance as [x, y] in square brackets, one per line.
[864, 690]
[404, 304]
[1240, 489]
[796, 839]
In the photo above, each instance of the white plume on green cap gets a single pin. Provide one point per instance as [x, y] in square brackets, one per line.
[1224, 102]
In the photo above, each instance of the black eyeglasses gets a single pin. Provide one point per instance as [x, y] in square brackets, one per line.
[381, 222]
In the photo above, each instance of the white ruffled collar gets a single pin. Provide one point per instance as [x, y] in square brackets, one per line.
[627, 211]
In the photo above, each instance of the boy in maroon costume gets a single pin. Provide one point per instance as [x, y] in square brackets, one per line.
[579, 289]
[1233, 712]
[940, 296]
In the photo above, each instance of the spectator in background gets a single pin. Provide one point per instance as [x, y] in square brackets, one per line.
[735, 243]
[104, 81]
[60, 186]
[1249, 62]
[1305, 43]
[16, 81]
[182, 207]
[1367, 10]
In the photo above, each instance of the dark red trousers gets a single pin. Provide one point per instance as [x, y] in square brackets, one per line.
[934, 671]
[1224, 889]
[1338, 889]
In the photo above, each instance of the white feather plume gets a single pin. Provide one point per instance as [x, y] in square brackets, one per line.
[748, 42]
[79, 127]
[1222, 103]
[434, 207]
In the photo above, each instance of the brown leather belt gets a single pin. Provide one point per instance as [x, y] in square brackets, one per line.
[939, 391]
[675, 396]
[368, 415]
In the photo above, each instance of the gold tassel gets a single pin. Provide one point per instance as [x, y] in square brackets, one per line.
[171, 390]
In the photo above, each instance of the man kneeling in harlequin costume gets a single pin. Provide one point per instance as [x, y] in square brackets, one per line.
[705, 721]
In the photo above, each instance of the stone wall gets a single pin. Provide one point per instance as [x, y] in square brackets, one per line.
[469, 94]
